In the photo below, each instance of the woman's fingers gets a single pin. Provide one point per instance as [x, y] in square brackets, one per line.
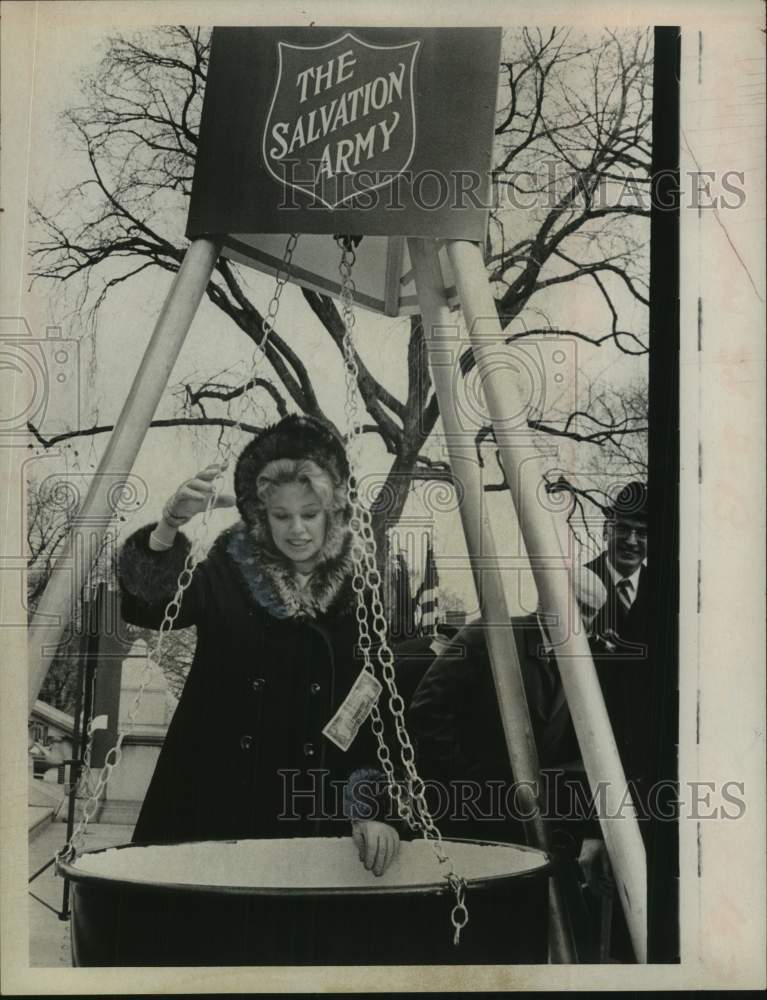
[394, 847]
[194, 495]
[377, 845]
[390, 852]
[359, 841]
[190, 501]
[201, 485]
[394, 842]
[371, 849]
[199, 491]
[225, 500]
[375, 850]
[382, 854]
[210, 472]
[388, 848]
[190, 491]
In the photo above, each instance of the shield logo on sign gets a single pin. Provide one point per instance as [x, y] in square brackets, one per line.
[342, 118]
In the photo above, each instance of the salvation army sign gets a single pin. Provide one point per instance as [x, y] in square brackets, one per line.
[375, 131]
[342, 119]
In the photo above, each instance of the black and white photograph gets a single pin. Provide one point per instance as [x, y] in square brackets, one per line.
[382, 437]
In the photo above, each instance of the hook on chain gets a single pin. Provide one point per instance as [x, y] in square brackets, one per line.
[459, 915]
[349, 243]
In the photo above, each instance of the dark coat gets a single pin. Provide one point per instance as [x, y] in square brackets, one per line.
[456, 721]
[268, 673]
[625, 673]
[630, 625]
[455, 713]
[620, 648]
[413, 657]
[455, 718]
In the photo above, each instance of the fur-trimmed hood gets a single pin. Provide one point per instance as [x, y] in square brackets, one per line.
[270, 579]
[297, 436]
[268, 575]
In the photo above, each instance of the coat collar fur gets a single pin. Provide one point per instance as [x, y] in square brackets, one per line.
[270, 579]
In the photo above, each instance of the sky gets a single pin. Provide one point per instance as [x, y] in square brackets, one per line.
[108, 360]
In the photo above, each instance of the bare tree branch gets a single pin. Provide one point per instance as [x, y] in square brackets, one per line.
[54, 439]
[573, 135]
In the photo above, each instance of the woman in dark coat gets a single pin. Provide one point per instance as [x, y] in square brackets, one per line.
[276, 636]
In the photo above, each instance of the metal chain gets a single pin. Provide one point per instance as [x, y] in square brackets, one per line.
[359, 579]
[367, 577]
[282, 276]
[173, 608]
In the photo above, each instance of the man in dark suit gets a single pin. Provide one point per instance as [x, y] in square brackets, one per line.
[456, 721]
[455, 717]
[625, 675]
[623, 664]
[413, 657]
[621, 568]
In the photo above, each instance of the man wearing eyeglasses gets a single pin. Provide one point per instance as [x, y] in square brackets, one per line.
[621, 567]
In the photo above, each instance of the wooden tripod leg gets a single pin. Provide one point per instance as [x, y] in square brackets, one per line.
[506, 395]
[71, 570]
[443, 334]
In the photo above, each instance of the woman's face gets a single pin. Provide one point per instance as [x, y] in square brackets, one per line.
[297, 522]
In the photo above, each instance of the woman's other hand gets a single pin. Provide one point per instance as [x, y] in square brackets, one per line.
[192, 498]
[377, 843]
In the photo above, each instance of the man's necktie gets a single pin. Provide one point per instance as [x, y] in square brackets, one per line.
[625, 588]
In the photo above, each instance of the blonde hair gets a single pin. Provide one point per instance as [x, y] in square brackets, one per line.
[330, 493]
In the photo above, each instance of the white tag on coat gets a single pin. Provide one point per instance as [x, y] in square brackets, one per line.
[353, 711]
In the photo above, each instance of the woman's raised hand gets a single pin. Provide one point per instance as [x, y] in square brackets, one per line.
[192, 497]
[377, 844]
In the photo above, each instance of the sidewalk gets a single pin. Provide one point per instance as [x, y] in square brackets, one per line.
[49, 936]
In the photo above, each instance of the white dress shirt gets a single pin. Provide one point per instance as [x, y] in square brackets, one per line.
[633, 580]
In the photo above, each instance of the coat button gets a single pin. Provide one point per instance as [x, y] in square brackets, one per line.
[246, 742]
[309, 750]
[315, 688]
[258, 683]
